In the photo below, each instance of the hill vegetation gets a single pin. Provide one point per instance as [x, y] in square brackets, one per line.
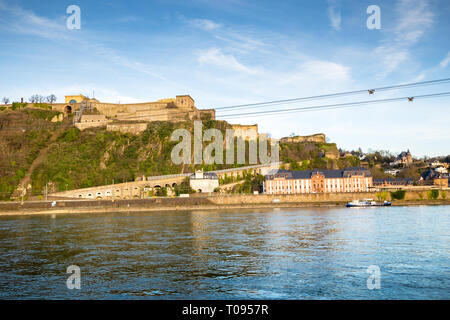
[78, 159]
[22, 135]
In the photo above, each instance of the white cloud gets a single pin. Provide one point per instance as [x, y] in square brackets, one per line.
[316, 72]
[215, 57]
[444, 63]
[415, 18]
[335, 16]
[326, 70]
[391, 58]
[205, 24]
[15, 19]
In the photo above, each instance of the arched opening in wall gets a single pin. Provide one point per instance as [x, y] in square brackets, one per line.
[167, 185]
[68, 109]
[199, 190]
[157, 187]
[80, 196]
[174, 185]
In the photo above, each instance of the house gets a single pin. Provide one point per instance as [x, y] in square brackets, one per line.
[355, 179]
[436, 163]
[393, 172]
[204, 182]
[441, 169]
[431, 177]
[441, 181]
[404, 158]
[92, 121]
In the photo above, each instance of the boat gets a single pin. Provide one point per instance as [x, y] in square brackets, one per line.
[367, 203]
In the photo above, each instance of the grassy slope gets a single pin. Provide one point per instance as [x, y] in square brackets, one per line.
[23, 134]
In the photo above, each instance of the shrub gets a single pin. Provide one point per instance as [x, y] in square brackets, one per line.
[444, 194]
[184, 187]
[433, 194]
[382, 196]
[398, 195]
[161, 192]
[18, 105]
[70, 135]
[420, 195]
[294, 166]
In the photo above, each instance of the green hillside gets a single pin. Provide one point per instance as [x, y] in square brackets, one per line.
[71, 159]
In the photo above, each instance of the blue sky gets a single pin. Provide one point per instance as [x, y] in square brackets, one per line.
[231, 52]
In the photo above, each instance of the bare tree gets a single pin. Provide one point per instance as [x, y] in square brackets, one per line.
[37, 98]
[51, 98]
[34, 98]
[5, 100]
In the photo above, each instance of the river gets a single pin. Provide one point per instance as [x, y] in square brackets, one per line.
[231, 254]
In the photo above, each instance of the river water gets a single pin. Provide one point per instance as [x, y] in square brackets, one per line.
[231, 254]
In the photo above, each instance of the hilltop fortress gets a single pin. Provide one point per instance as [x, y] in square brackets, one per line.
[173, 109]
[134, 117]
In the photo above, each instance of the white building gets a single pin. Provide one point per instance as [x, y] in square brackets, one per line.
[393, 172]
[204, 182]
[441, 170]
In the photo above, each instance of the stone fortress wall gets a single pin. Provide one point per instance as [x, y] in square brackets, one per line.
[319, 138]
[133, 117]
[246, 132]
[173, 109]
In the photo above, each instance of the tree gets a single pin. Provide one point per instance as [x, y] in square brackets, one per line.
[5, 100]
[51, 98]
[34, 98]
[433, 194]
[37, 98]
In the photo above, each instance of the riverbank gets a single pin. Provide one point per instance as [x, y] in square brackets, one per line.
[169, 204]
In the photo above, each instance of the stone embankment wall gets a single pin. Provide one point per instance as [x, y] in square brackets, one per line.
[312, 197]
